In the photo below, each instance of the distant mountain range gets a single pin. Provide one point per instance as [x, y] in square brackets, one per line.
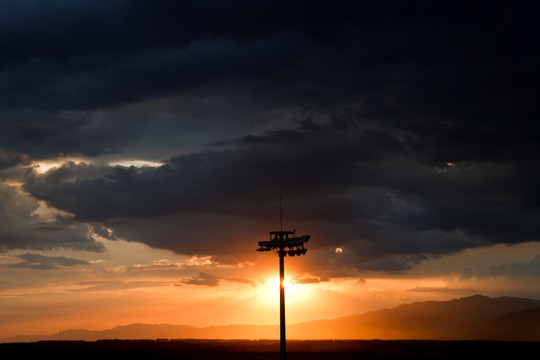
[471, 318]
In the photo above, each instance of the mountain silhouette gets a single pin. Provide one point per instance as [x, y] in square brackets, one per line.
[517, 326]
[471, 318]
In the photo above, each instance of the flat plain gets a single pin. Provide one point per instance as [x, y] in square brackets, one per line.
[268, 349]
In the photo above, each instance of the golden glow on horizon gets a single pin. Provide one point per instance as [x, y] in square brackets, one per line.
[131, 282]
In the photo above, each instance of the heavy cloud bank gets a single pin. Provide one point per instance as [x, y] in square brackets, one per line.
[397, 131]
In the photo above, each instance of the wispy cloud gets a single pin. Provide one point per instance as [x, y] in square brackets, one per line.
[116, 285]
[42, 262]
[202, 279]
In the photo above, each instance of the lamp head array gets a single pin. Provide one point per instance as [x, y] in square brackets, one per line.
[285, 243]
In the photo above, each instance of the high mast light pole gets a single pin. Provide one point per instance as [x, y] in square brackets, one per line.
[284, 243]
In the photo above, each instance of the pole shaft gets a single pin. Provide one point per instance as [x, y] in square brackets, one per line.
[282, 345]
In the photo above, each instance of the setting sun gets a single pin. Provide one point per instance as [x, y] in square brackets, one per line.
[294, 292]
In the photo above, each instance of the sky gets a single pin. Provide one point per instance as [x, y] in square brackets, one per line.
[144, 147]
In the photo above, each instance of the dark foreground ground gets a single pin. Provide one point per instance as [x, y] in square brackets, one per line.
[268, 349]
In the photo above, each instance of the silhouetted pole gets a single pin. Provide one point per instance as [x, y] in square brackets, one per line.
[279, 241]
[282, 345]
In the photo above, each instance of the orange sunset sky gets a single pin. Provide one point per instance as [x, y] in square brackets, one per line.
[130, 282]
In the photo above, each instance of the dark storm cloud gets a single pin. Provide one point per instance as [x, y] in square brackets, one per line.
[406, 64]
[36, 135]
[370, 190]
[22, 228]
[292, 163]
[76, 56]
[415, 134]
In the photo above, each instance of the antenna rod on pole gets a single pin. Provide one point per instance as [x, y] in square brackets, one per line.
[280, 216]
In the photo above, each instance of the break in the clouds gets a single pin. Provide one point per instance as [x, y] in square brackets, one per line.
[395, 131]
